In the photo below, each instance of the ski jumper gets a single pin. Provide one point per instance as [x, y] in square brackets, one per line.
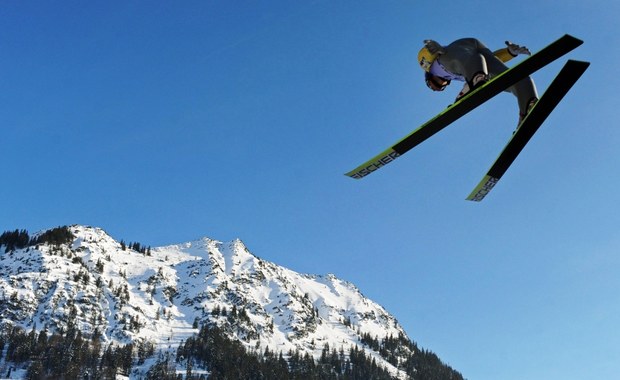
[466, 58]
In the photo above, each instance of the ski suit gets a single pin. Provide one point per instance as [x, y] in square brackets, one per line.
[465, 58]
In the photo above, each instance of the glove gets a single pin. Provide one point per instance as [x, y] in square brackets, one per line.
[515, 49]
[433, 47]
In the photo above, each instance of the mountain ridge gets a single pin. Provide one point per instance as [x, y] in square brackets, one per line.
[101, 286]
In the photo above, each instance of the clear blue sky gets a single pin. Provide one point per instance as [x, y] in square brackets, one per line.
[163, 122]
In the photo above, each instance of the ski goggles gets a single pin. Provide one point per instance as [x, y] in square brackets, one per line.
[435, 83]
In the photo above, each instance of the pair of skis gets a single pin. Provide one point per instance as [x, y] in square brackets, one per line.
[556, 91]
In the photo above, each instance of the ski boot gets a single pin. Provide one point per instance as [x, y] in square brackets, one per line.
[530, 104]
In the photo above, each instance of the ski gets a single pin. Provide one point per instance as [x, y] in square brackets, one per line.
[559, 87]
[470, 101]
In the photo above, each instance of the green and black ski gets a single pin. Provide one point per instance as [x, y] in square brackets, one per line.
[562, 83]
[470, 101]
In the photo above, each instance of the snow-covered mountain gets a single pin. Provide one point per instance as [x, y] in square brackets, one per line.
[161, 295]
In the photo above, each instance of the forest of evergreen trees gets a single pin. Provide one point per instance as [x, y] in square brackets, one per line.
[228, 359]
[68, 355]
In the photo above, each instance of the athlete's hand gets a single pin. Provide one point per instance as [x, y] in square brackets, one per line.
[433, 47]
[515, 49]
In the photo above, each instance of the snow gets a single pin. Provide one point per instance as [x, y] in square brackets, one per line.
[166, 291]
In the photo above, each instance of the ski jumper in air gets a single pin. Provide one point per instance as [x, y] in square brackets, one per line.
[469, 60]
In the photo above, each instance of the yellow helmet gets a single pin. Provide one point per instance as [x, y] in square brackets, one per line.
[426, 59]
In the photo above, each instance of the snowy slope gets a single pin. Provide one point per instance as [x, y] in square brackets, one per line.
[159, 296]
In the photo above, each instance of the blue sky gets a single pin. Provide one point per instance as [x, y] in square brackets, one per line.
[163, 122]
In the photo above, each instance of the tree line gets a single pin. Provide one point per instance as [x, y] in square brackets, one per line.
[210, 354]
[228, 359]
[67, 355]
[20, 239]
